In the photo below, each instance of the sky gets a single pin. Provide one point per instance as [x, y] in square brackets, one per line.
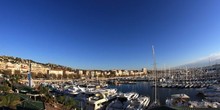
[110, 34]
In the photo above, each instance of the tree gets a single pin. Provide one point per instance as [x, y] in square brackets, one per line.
[15, 78]
[71, 76]
[112, 75]
[61, 99]
[40, 75]
[5, 88]
[65, 75]
[34, 75]
[24, 76]
[101, 75]
[7, 72]
[77, 76]
[53, 76]
[59, 76]
[45, 76]
[10, 101]
[17, 72]
[47, 96]
[68, 102]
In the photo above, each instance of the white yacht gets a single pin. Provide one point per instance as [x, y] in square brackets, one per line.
[72, 90]
[83, 89]
[204, 104]
[131, 95]
[139, 103]
[96, 102]
[99, 99]
[178, 100]
[122, 101]
[119, 104]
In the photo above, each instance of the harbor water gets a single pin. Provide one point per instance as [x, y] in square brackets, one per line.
[145, 88]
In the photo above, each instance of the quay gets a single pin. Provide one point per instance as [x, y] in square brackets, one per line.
[48, 81]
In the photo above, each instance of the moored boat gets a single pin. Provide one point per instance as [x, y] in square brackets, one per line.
[139, 103]
[178, 100]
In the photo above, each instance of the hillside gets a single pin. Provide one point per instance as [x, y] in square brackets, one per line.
[17, 60]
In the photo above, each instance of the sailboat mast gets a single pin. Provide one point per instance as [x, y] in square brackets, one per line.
[155, 75]
[186, 73]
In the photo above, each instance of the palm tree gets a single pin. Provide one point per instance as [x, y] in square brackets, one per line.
[48, 97]
[68, 102]
[15, 78]
[5, 88]
[61, 99]
[9, 101]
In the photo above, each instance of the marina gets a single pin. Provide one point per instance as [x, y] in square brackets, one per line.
[144, 88]
[181, 89]
[131, 96]
[110, 55]
[177, 92]
[147, 92]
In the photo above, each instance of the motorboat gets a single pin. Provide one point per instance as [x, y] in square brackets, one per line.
[178, 100]
[139, 103]
[203, 104]
[122, 101]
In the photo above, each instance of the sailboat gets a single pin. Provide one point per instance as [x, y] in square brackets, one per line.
[156, 102]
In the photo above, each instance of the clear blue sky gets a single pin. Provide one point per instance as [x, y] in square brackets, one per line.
[110, 34]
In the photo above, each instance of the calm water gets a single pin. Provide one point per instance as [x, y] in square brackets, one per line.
[144, 88]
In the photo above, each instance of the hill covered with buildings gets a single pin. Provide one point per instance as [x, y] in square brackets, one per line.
[13, 65]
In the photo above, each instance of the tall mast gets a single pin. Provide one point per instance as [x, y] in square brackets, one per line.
[169, 72]
[209, 62]
[155, 75]
[29, 75]
[186, 73]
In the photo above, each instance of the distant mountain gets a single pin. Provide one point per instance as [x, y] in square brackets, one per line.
[205, 61]
[17, 60]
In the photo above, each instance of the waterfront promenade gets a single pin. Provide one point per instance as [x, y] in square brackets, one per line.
[42, 80]
[66, 80]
